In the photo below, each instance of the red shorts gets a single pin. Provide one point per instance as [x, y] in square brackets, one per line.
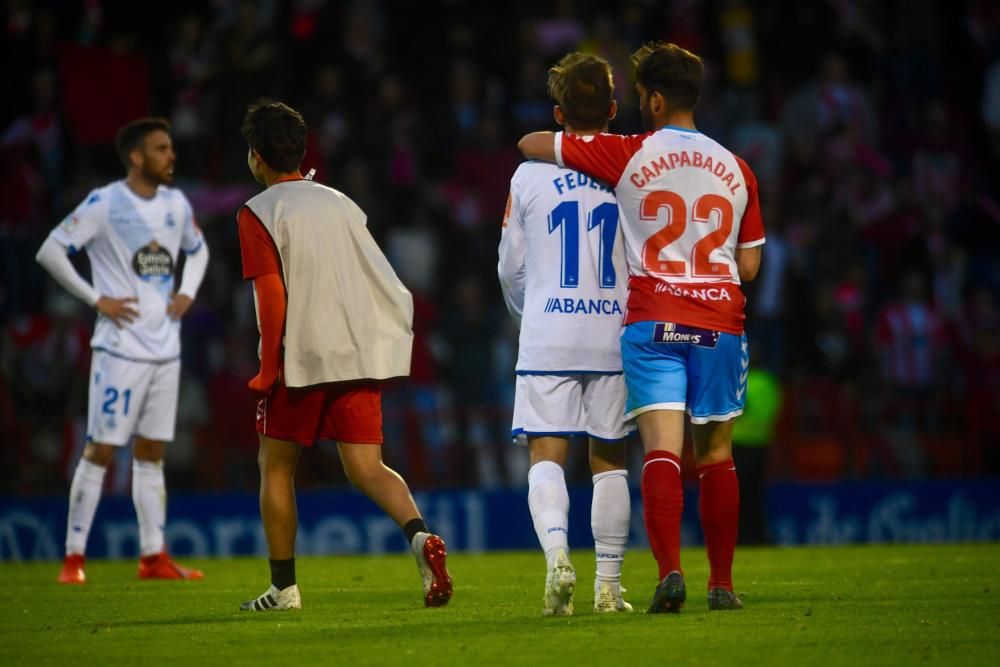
[341, 411]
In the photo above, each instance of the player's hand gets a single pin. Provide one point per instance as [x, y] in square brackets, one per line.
[178, 306]
[262, 382]
[118, 311]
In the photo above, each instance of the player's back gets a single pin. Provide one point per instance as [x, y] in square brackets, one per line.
[687, 204]
[562, 229]
[684, 197]
[348, 316]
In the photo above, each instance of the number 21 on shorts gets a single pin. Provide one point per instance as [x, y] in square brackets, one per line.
[111, 396]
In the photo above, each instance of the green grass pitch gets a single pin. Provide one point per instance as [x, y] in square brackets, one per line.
[874, 605]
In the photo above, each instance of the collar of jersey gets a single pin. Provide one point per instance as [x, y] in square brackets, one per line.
[679, 129]
[289, 179]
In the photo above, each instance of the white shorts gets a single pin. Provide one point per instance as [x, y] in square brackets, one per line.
[586, 404]
[131, 398]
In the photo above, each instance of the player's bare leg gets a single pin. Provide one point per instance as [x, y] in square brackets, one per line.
[662, 433]
[149, 495]
[365, 469]
[277, 460]
[548, 501]
[84, 496]
[610, 513]
[719, 508]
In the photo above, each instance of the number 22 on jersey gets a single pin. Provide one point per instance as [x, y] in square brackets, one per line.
[566, 218]
[663, 255]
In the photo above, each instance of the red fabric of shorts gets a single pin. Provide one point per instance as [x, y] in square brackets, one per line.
[341, 411]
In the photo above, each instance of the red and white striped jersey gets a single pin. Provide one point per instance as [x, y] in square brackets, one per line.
[910, 338]
[686, 204]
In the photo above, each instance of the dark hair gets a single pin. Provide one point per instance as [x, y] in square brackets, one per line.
[277, 132]
[581, 85]
[672, 71]
[132, 135]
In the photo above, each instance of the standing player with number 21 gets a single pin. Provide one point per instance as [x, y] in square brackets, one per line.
[692, 232]
[132, 231]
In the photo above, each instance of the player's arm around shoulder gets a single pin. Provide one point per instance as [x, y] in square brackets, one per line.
[538, 146]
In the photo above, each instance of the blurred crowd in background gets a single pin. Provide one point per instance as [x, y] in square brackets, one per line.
[873, 127]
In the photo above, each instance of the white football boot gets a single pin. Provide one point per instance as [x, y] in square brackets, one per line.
[559, 584]
[275, 600]
[608, 598]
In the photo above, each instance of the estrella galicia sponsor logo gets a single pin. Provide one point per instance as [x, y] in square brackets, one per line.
[668, 332]
[583, 306]
[153, 263]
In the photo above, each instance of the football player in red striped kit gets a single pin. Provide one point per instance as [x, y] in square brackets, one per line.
[692, 229]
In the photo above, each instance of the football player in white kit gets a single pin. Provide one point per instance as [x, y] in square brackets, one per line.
[132, 231]
[692, 232]
[562, 271]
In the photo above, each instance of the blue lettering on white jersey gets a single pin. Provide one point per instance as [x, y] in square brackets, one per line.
[562, 270]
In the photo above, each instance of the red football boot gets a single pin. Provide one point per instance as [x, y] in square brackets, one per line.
[431, 557]
[162, 566]
[72, 570]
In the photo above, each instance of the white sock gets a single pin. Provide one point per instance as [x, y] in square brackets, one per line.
[548, 501]
[609, 521]
[84, 494]
[417, 543]
[149, 494]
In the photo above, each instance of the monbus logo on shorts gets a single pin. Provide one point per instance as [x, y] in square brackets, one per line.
[668, 332]
[583, 306]
[153, 263]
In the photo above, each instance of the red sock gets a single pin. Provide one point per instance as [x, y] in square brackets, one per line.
[662, 505]
[720, 512]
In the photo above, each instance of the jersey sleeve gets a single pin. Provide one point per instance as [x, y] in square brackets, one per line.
[191, 239]
[603, 156]
[752, 226]
[513, 254]
[82, 225]
[257, 249]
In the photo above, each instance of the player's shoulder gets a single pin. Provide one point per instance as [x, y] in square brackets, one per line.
[96, 204]
[324, 191]
[172, 196]
[100, 196]
[531, 170]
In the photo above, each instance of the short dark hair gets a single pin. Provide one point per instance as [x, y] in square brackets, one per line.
[672, 71]
[277, 132]
[132, 135]
[581, 85]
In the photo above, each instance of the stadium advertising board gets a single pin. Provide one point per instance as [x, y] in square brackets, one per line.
[344, 522]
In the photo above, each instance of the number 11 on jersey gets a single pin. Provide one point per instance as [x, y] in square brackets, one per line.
[566, 218]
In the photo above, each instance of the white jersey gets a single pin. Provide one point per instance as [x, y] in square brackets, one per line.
[133, 245]
[562, 270]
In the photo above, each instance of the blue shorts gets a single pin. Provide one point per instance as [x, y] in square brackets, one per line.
[704, 373]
